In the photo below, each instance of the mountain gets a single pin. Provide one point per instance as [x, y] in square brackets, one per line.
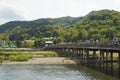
[67, 21]
[45, 27]
[97, 25]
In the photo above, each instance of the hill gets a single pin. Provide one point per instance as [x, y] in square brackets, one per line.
[97, 25]
[67, 21]
[46, 27]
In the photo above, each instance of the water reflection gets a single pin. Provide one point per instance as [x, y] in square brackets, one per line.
[92, 73]
[50, 72]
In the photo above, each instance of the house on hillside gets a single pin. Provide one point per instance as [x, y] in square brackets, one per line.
[48, 43]
[116, 40]
[48, 38]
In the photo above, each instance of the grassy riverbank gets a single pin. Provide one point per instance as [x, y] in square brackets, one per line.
[24, 55]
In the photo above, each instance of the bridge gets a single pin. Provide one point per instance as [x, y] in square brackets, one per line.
[100, 55]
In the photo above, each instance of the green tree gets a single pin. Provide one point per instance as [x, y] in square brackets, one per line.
[39, 43]
[29, 43]
[58, 40]
[84, 34]
[96, 37]
[74, 35]
[110, 33]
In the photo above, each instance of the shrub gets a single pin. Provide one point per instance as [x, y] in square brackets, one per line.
[20, 58]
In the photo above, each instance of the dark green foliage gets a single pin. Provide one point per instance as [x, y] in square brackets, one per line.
[12, 55]
[15, 55]
[20, 58]
[24, 30]
[97, 25]
[39, 43]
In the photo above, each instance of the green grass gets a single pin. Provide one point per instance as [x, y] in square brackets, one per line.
[67, 58]
[20, 58]
[15, 55]
[24, 55]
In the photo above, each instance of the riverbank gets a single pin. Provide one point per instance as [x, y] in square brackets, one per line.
[33, 57]
[45, 60]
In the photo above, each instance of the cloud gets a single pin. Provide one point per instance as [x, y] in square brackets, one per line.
[10, 14]
[34, 9]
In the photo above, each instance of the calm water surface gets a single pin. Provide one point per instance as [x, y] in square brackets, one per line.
[51, 72]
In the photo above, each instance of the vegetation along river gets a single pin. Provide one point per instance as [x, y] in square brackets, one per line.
[50, 72]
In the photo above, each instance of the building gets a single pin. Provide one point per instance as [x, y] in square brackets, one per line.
[116, 40]
[48, 43]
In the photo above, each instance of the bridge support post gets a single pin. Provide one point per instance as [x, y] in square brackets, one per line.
[60, 50]
[66, 51]
[82, 57]
[111, 61]
[69, 54]
[101, 60]
[94, 59]
[79, 57]
[78, 54]
[72, 51]
[75, 51]
[82, 52]
[87, 57]
[107, 60]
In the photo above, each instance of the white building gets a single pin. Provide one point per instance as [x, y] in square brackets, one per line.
[48, 43]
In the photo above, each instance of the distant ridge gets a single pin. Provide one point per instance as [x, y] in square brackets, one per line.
[97, 25]
[20, 30]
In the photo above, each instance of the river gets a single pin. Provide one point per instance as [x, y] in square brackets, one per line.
[51, 72]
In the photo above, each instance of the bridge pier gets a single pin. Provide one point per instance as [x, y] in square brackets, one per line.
[87, 57]
[107, 53]
[94, 58]
[101, 60]
[111, 61]
[82, 57]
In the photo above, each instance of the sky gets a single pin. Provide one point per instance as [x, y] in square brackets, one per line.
[14, 10]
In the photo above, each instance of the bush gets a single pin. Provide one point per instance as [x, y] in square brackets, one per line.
[20, 58]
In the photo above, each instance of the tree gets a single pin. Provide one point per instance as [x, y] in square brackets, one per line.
[39, 43]
[29, 43]
[84, 34]
[96, 37]
[19, 44]
[58, 40]
[74, 35]
[110, 33]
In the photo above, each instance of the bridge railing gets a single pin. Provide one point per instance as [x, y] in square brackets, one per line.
[88, 45]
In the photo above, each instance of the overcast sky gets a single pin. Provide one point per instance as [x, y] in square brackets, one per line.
[11, 10]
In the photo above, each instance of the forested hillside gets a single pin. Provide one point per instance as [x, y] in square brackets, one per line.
[46, 27]
[97, 25]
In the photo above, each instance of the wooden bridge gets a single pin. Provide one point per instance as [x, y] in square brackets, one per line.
[98, 55]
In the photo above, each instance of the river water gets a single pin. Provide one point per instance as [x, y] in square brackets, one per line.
[51, 72]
